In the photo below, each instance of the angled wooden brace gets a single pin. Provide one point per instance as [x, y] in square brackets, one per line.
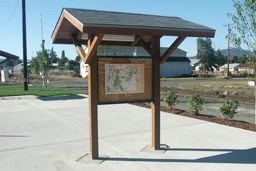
[93, 47]
[145, 46]
[172, 48]
[79, 48]
[136, 40]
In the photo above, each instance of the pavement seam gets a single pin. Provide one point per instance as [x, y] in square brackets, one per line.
[123, 154]
[43, 145]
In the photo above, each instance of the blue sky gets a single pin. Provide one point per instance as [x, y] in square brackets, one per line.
[208, 13]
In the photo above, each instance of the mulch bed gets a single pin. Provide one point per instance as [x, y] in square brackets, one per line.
[237, 124]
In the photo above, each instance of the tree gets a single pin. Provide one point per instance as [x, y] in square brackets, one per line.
[61, 62]
[234, 60]
[242, 58]
[44, 63]
[12, 62]
[205, 53]
[244, 29]
[34, 65]
[53, 56]
[220, 59]
[16, 62]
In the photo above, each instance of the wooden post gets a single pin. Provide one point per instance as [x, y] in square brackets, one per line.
[155, 105]
[93, 102]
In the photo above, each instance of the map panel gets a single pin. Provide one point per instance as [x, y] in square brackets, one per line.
[124, 78]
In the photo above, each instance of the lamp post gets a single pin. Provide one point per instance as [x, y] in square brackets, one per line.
[24, 46]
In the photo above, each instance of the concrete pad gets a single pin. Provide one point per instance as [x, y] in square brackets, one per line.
[53, 133]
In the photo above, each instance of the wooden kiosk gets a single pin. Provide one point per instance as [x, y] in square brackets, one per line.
[94, 28]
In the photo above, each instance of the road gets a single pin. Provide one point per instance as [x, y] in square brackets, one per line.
[245, 112]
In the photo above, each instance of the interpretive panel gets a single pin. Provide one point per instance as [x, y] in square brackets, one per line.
[123, 79]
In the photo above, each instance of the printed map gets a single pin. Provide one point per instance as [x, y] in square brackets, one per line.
[124, 78]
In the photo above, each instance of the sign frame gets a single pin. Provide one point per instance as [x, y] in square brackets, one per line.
[124, 98]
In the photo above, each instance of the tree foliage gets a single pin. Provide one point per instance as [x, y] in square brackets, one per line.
[220, 59]
[12, 62]
[205, 53]
[43, 60]
[61, 62]
[244, 29]
[53, 56]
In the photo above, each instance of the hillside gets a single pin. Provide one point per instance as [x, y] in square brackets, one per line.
[233, 52]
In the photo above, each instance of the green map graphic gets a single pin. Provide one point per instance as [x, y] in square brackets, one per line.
[124, 78]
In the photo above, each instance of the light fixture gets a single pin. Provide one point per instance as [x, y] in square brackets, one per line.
[113, 37]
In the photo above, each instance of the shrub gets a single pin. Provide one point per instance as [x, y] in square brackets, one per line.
[228, 108]
[195, 103]
[77, 75]
[170, 98]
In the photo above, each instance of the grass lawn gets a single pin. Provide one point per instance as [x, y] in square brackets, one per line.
[37, 91]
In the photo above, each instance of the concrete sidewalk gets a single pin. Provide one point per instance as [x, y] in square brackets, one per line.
[52, 133]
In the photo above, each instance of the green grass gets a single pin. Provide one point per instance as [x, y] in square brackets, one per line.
[37, 91]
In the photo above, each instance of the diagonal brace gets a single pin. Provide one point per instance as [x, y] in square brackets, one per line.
[79, 47]
[172, 48]
[136, 40]
[93, 47]
[145, 46]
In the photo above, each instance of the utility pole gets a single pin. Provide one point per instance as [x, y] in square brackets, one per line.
[24, 46]
[228, 48]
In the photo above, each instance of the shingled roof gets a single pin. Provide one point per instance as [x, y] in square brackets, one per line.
[130, 20]
[92, 21]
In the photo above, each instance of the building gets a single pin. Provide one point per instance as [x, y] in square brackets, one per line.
[248, 68]
[194, 63]
[232, 67]
[176, 65]
[18, 67]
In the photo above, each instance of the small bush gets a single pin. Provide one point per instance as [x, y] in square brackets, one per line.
[195, 103]
[228, 108]
[77, 75]
[170, 98]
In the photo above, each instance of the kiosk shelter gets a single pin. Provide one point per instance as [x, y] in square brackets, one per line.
[123, 79]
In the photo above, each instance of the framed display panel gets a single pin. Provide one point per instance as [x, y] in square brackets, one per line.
[125, 79]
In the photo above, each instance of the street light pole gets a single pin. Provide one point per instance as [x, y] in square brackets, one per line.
[24, 45]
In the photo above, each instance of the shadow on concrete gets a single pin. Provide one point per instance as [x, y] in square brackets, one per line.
[234, 156]
[66, 97]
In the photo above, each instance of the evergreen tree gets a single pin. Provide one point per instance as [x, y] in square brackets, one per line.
[53, 56]
[220, 59]
[205, 53]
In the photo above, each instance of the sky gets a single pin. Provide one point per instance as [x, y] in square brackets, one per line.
[212, 14]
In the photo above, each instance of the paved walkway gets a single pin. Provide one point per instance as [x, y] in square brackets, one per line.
[51, 133]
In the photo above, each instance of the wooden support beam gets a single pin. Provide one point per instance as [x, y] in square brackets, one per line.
[79, 47]
[145, 46]
[136, 40]
[155, 105]
[172, 48]
[93, 99]
[93, 47]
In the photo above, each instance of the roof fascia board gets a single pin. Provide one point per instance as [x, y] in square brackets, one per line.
[8, 55]
[71, 19]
